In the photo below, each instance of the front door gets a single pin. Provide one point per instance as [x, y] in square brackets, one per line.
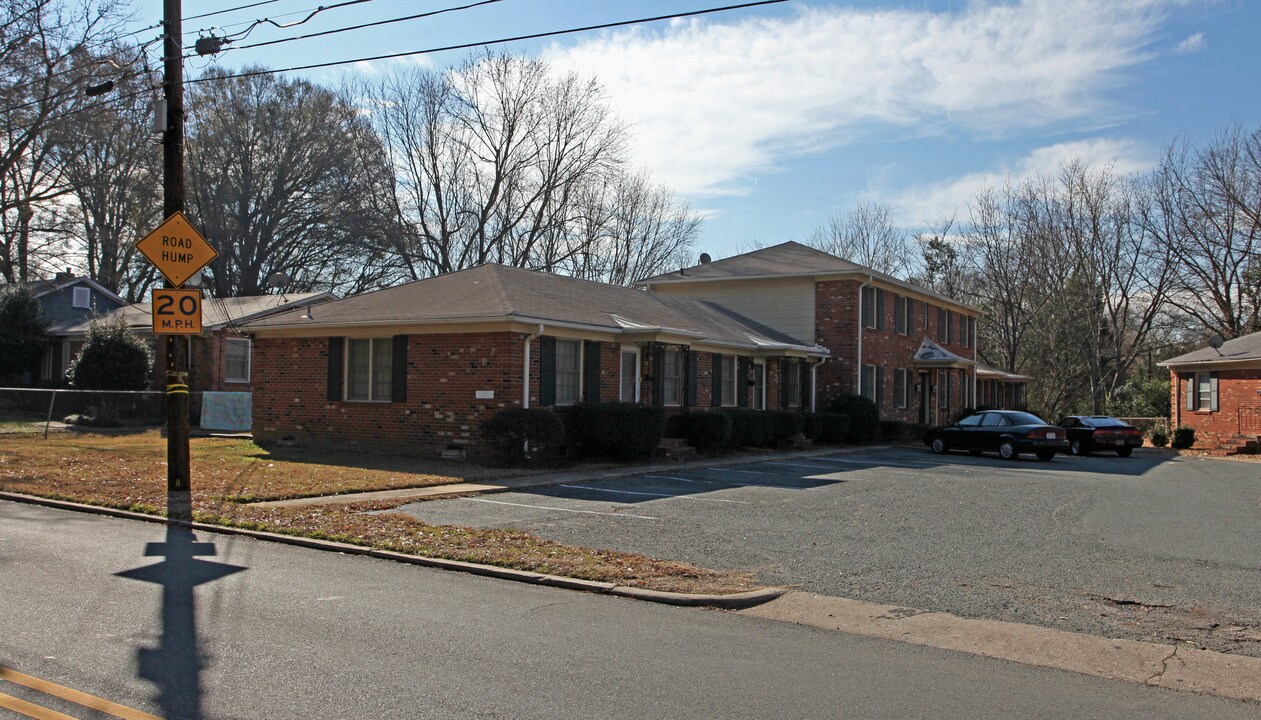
[759, 386]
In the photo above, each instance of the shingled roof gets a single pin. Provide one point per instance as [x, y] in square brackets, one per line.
[789, 259]
[215, 312]
[1244, 349]
[498, 292]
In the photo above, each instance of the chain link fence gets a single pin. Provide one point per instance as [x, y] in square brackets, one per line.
[31, 410]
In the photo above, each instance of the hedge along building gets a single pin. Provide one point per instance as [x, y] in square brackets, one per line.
[418, 367]
[874, 325]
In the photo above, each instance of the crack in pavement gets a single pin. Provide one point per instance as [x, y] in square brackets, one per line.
[1164, 667]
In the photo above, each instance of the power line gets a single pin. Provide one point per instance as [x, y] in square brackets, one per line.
[323, 8]
[224, 12]
[500, 41]
[364, 25]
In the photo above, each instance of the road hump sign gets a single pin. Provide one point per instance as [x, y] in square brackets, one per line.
[176, 249]
[177, 312]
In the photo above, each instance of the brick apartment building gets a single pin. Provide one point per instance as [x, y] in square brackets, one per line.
[908, 349]
[419, 366]
[1217, 391]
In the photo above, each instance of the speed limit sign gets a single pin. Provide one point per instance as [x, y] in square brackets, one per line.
[177, 312]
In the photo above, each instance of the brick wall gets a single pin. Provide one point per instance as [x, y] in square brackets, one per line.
[837, 317]
[1239, 404]
[290, 386]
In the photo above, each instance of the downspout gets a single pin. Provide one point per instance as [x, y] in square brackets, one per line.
[858, 376]
[814, 383]
[525, 369]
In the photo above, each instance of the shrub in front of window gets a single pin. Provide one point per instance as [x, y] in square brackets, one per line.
[864, 418]
[1183, 437]
[113, 358]
[833, 428]
[812, 425]
[1159, 436]
[622, 431]
[522, 435]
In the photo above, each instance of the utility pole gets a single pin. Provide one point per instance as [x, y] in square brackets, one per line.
[179, 496]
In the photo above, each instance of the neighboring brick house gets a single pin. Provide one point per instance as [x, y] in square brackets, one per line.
[874, 325]
[418, 367]
[999, 390]
[221, 357]
[67, 301]
[1217, 391]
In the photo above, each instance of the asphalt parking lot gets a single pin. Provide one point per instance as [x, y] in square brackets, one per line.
[1151, 547]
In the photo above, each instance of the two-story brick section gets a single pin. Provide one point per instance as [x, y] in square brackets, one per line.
[418, 367]
[1217, 391]
[910, 350]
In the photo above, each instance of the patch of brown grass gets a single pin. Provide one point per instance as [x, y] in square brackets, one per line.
[129, 472]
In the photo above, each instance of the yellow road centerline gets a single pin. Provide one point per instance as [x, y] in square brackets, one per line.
[31, 710]
[78, 698]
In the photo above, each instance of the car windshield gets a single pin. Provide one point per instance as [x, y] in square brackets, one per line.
[1022, 418]
[1106, 422]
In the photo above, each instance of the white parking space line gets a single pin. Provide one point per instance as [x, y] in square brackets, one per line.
[557, 509]
[746, 472]
[788, 464]
[708, 482]
[648, 494]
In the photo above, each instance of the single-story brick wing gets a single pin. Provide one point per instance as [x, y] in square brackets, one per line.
[418, 367]
[1217, 391]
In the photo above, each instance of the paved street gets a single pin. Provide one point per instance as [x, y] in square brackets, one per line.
[1149, 547]
[284, 632]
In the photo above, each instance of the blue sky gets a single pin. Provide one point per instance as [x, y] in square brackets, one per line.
[769, 119]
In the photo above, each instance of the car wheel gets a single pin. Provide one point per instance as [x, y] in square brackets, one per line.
[1008, 450]
[1078, 447]
[939, 446]
[1045, 455]
[1125, 452]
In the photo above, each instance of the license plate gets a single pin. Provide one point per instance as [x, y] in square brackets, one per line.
[1051, 436]
[1118, 442]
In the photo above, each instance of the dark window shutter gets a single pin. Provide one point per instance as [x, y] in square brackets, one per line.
[1212, 389]
[591, 371]
[879, 309]
[715, 390]
[1189, 393]
[692, 376]
[742, 381]
[804, 380]
[547, 371]
[783, 383]
[658, 374]
[336, 356]
[910, 316]
[398, 370]
[879, 386]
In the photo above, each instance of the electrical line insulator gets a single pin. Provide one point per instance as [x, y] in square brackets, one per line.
[99, 89]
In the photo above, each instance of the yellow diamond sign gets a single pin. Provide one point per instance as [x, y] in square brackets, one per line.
[176, 249]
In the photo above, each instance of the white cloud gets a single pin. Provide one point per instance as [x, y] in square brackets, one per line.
[715, 102]
[1194, 43]
[926, 205]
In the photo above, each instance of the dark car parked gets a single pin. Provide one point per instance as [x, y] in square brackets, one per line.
[1087, 433]
[1007, 432]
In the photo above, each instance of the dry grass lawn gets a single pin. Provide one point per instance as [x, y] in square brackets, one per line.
[128, 471]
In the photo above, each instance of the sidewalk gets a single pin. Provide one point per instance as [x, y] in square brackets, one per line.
[550, 480]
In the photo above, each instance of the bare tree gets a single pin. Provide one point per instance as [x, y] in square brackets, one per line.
[45, 67]
[279, 180]
[867, 235]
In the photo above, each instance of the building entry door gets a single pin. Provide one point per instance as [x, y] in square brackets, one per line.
[925, 397]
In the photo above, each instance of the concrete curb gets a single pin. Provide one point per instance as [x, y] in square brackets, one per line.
[734, 601]
[527, 482]
[1168, 666]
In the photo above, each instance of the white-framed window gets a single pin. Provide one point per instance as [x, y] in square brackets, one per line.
[869, 307]
[1203, 391]
[369, 369]
[792, 378]
[236, 360]
[630, 374]
[672, 378]
[81, 297]
[759, 384]
[727, 393]
[869, 382]
[568, 371]
[901, 388]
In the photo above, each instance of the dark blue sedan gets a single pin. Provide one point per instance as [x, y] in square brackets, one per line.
[1006, 432]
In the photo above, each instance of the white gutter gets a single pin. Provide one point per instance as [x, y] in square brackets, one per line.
[525, 368]
[858, 384]
[814, 383]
